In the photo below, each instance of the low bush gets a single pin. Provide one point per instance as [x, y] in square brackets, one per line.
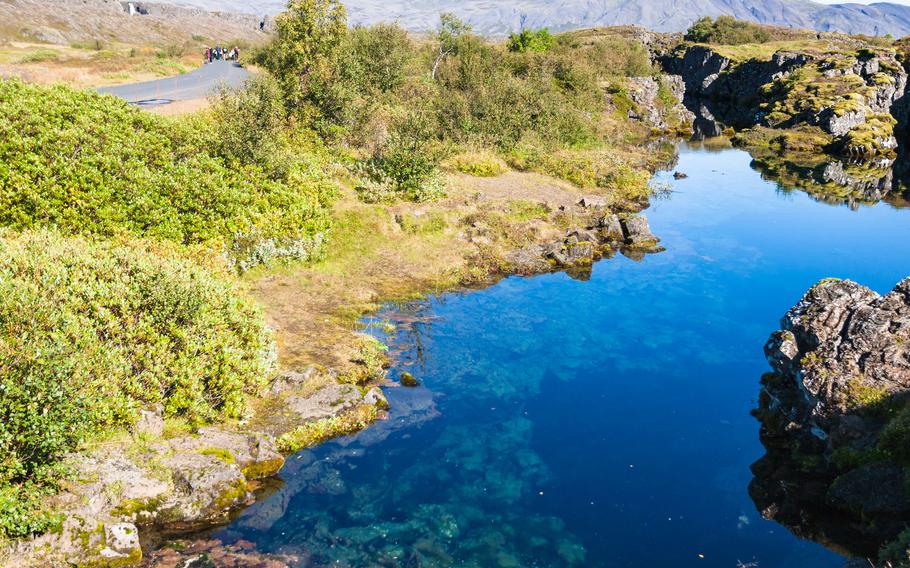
[41, 55]
[94, 331]
[406, 164]
[727, 30]
[481, 163]
[250, 125]
[587, 169]
[374, 59]
[90, 164]
[531, 41]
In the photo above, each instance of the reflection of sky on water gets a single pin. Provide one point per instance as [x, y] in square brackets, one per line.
[601, 423]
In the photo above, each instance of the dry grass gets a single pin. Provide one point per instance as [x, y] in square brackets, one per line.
[85, 66]
[383, 253]
[829, 43]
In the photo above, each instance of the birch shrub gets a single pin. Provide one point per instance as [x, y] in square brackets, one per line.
[93, 331]
[90, 164]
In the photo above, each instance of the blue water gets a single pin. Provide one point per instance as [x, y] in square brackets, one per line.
[598, 423]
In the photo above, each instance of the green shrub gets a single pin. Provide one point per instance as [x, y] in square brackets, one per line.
[895, 437]
[250, 126]
[22, 510]
[94, 331]
[531, 41]
[896, 554]
[41, 55]
[727, 30]
[491, 98]
[302, 53]
[407, 162]
[90, 164]
[374, 59]
[171, 51]
[481, 163]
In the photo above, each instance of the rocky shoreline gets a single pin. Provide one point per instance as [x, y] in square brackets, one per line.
[834, 418]
[156, 481]
[826, 119]
[824, 411]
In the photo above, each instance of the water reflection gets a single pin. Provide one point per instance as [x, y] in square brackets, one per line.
[826, 178]
[601, 423]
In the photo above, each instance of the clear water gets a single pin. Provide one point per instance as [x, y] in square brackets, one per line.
[599, 423]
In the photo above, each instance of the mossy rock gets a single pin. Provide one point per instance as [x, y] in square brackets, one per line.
[263, 469]
[408, 380]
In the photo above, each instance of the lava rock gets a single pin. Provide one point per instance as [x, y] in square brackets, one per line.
[408, 380]
[150, 422]
[637, 231]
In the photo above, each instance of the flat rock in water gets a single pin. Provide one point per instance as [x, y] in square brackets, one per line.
[325, 403]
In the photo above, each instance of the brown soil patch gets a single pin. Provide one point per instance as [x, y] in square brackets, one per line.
[382, 253]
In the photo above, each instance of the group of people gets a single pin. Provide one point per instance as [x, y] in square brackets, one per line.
[221, 53]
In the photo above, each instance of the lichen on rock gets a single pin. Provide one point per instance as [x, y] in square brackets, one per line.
[834, 416]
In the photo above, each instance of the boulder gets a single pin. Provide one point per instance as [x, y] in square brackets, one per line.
[583, 235]
[256, 455]
[206, 486]
[150, 422]
[122, 544]
[611, 228]
[293, 379]
[571, 252]
[839, 124]
[375, 397]
[593, 202]
[326, 402]
[637, 231]
[831, 416]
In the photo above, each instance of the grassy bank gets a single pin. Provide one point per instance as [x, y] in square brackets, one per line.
[396, 167]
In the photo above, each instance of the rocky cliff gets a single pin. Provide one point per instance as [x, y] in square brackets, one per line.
[845, 98]
[824, 115]
[835, 419]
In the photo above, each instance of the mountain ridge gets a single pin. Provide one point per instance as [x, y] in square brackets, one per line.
[498, 18]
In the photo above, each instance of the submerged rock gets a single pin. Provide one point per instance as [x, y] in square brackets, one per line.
[408, 380]
[834, 419]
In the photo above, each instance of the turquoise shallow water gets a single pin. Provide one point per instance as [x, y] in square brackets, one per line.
[600, 423]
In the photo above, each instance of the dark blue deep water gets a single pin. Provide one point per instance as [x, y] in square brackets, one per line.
[598, 423]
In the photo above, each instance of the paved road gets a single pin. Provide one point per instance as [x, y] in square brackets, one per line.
[196, 84]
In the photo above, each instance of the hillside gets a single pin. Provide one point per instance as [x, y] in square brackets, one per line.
[88, 21]
[497, 18]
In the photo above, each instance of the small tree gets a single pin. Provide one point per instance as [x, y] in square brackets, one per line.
[451, 30]
[375, 57]
[528, 41]
[701, 31]
[248, 125]
[307, 35]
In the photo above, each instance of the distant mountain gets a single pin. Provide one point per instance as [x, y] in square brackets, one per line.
[493, 17]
